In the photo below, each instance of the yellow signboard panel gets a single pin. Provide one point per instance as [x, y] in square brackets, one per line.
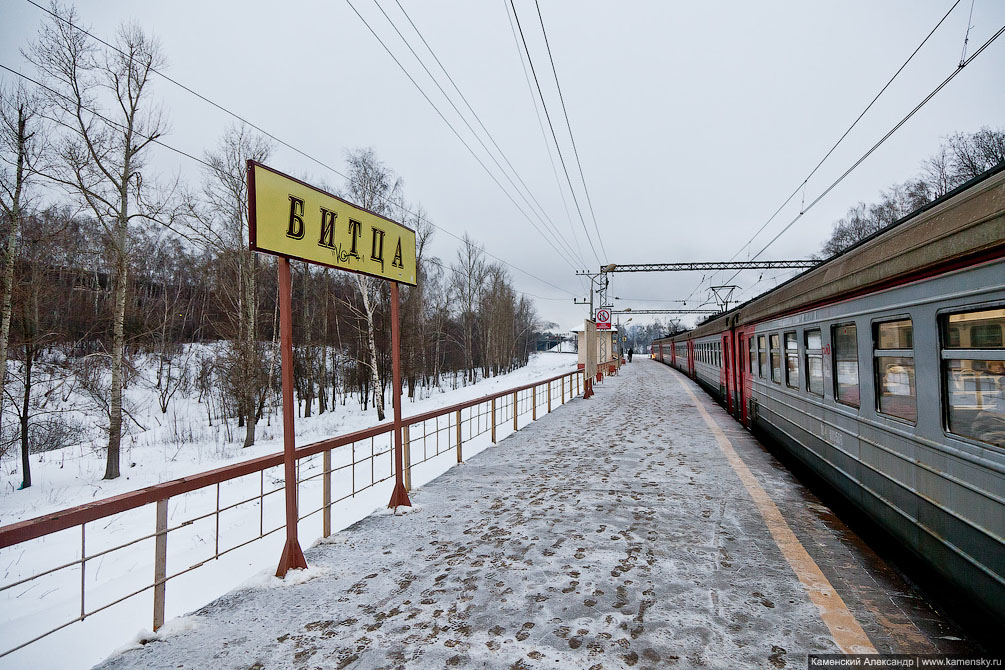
[290, 218]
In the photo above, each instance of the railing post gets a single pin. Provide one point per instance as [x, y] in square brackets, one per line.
[160, 562]
[326, 492]
[533, 402]
[460, 455]
[493, 420]
[562, 381]
[549, 397]
[577, 384]
[407, 458]
[516, 403]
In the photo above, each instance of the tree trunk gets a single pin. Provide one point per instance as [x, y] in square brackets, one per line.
[29, 359]
[118, 341]
[368, 307]
[248, 348]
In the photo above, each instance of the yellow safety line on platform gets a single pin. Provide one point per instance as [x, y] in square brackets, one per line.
[844, 628]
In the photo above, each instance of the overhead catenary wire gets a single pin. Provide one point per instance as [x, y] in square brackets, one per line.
[547, 116]
[883, 139]
[544, 134]
[572, 138]
[478, 119]
[564, 253]
[271, 136]
[802, 184]
[457, 134]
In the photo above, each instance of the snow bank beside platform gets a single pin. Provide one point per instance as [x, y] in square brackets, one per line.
[72, 476]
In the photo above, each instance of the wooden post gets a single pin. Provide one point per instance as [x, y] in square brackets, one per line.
[326, 493]
[460, 455]
[493, 420]
[160, 562]
[562, 381]
[407, 458]
[533, 402]
[293, 555]
[516, 402]
[549, 397]
[400, 495]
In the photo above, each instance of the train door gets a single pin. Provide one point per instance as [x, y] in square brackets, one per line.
[673, 354]
[743, 369]
[690, 357]
[727, 372]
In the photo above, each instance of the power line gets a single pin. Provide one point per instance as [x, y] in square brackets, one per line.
[572, 138]
[558, 147]
[566, 255]
[470, 108]
[440, 264]
[266, 133]
[544, 135]
[854, 123]
[881, 141]
[457, 134]
[105, 118]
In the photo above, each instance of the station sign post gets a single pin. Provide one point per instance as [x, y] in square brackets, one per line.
[289, 218]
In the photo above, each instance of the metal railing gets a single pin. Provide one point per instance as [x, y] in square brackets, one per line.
[349, 465]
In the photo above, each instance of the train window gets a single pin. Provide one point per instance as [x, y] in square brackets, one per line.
[752, 343]
[776, 359]
[791, 361]
[814, 362]
[896, 394]
[845, 338]
[762, 357]
[975, 378]
[975, 330]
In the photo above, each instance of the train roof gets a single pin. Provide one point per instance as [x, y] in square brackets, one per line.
[963, 226]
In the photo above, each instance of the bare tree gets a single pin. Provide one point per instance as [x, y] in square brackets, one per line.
[372, 186]
[21, 150]
[961, 157]
[974, 153]
[466, 283]
[102, 154]
[219, 220]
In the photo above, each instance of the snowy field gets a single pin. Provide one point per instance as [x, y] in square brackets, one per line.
[165, 446]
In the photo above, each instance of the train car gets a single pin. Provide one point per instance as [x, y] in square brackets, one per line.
[883, 371]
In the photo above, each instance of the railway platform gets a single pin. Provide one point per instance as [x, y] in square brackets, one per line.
[641, 528]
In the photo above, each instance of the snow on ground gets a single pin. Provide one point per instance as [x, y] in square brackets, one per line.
[170, 446]
[609, 534]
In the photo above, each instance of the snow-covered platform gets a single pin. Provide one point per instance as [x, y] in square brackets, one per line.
[625, 530]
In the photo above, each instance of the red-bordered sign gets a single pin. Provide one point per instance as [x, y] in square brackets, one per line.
[603, 319]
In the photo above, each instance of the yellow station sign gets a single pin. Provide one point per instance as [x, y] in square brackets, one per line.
[290, 218]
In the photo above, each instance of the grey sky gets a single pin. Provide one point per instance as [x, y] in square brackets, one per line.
[693, 121]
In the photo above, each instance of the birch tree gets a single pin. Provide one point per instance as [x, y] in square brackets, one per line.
[467, 281]
[372, 186]
[20, 153]
[219, 219]
[103, 151]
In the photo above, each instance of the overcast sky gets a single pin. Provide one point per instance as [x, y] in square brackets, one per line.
[693, 121]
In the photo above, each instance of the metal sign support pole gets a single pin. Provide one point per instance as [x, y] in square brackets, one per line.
[400, 496]
[293, 556]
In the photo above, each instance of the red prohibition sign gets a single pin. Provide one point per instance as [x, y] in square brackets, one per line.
[603, 315]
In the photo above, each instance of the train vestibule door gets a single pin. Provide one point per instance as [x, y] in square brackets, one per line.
[727, 371]
[742, 364]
